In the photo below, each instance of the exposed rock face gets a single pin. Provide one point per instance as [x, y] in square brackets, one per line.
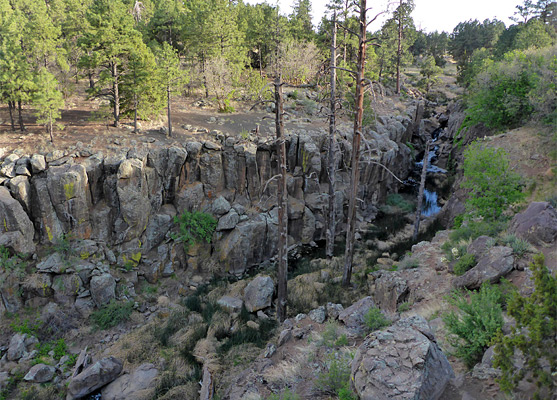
[354, 316]
[259, 293]
[118, 198]
[103, 289]
[94, 377]
[494, 265]
[538, 224]
[131, 386]
[401, 362]
[16, 229]
[390, 290]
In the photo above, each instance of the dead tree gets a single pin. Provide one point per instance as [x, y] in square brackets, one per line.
[421, 194]
[282, 205]
[399, 50]
[355, 173]
[331, 220]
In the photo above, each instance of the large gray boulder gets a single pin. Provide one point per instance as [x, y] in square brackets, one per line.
[390, 290]
[40, 373]
[402, 361]
[131, 386]
[103, 289]
[495, 264]
[353, 317]
[16, 223]
[538, 224]
[258, 294]
[94, 377]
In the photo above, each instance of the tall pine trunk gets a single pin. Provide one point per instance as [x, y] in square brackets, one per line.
[282, 205]
[168, 111]
[116, 93]
[21, 127]
[11, 107]
[421, 194]
[331, 222]
[49, 128]
[399, 50]
[135, 103]
[355, 162]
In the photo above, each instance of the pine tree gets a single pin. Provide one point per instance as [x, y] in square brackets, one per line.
[171, 77]
[47, 100]
[109, 40]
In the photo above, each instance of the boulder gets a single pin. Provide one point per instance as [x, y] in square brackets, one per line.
[220, 206]
[538, 224]
[16, 348]
[318, 315]
[103, 289]
[14, 219]
[495, 264]
[402, 361]
[479, 246]
[94, 377]
[353, 317]
[21, 190]
[157, 228]
[258, 294]
[228, 221]
[131, 386]
[52, 264]
[231, 303]
[390, 290]
[40, 373]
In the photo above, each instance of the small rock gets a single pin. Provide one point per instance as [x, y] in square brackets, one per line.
[40, 373]
[318, 315]
[270, 350]
[230, 303]
[284, 337]
[258, 293]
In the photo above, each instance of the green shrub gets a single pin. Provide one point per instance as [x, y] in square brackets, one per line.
[464, 263]
[25, 326]
[408, 263]
[475, 323]
[112, 314]
[493, 185]
[405, 306]
[374, 319]
[398, 201]
[332, 335]
[520, 246]
[533, 335]
[194, 227]
[336, 374]
[247, 334]
[284, 395]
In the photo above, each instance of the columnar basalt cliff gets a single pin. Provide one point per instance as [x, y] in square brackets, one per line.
[126, 200]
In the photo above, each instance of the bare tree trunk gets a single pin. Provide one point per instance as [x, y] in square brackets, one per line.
[282, 205]
[260, 62]
[168, 111]
[331, 223]
[91, 81]
[21, 127]
[11, 107]
[49, 129]
[135, 113]
[421, 194]
[399, 50]
[355, 163]
[116, 95]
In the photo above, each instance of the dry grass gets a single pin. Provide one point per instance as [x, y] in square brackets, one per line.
[288, 373]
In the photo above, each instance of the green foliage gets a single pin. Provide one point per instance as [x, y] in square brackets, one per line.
[176, 321]
[195, 227]
[112, 314]
[284, 395]
[429, 71]
[10, 263]
[47, 100]
[464, 263]
[332, 335]
[25, 326]
[494, 186]
[396, 203]
[336, 375]
[408, 262]
[509, 92]
[374, 319]
[533, 335]
[475, 323]
[520, 246]
[405, 306]
[246, 334]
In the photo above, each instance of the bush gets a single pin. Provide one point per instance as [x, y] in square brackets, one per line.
[374, 319]
[336, 376]
[464, 263]
[494, 186]
[396, 200]
[533, 335]
[194, 227]
[112, 314]
[508, 93]
[476, 322]
[284, 395]
[520, 246]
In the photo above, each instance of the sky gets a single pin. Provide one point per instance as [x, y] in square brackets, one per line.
[429, 15]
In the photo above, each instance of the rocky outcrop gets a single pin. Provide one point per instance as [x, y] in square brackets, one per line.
[537, 224]
[259, 293]
[495, 264]
[353, 317]
[132, 386]
[118, 198]
[94, 377]
[402, 361]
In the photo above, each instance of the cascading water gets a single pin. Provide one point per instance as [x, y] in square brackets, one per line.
[430, 204]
